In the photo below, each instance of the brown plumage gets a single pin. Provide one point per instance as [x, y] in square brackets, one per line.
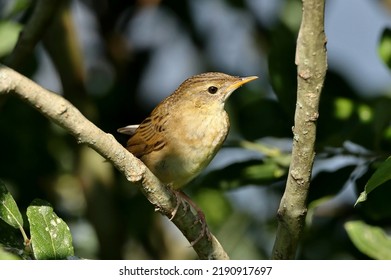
[185, 131]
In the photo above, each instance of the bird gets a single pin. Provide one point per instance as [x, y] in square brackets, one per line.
[185, 131]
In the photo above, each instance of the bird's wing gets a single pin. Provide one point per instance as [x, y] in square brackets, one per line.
[148, 136]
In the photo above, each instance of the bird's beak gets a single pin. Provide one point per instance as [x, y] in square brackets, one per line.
[241, 81]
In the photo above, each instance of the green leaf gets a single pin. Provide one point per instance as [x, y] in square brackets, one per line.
[214, 204]
[384, 48]
[9, 211]
[251, 172]
[14, 8]
[5, 255]
[369, 240]
[9, 32]
[11, 237]
[50, 235]
[381, 175]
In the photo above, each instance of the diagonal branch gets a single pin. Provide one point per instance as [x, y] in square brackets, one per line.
[311, 61]
[62, 112]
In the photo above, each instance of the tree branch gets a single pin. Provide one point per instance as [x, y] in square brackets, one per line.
[311, 61]
[61, 43]
[62, 112]
[43, 13]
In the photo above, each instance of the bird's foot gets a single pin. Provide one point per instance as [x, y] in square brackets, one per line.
[204, 226]
[179, 201]
[180, 198]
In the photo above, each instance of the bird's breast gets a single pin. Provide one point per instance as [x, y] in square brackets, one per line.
[191, 143]
[195, 145]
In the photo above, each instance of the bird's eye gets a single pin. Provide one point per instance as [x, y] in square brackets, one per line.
[212, 89]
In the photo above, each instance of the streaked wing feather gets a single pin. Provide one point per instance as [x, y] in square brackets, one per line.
[148, 136]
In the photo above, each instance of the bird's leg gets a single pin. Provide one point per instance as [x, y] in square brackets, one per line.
[179, 201]
[181, 196]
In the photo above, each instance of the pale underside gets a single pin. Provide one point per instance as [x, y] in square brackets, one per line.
[177, 156]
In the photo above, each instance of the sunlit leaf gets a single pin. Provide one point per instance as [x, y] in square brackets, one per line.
[251, 172]
[381, 175]
[50, 235]
[370, 240]
[9, 211]
[214, 204]
[4, 255]
[384, 48]
[343, 108]
[9, 32]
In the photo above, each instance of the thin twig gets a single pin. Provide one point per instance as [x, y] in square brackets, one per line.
[311, 61]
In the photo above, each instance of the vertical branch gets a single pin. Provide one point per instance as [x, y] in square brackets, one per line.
[311, 61]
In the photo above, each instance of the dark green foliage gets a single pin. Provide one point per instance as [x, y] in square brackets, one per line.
[50, 236]
[110, 219]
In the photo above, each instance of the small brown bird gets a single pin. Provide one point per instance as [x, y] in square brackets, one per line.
[185, 131]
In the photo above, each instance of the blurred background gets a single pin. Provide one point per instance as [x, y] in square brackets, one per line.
[115, 60]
